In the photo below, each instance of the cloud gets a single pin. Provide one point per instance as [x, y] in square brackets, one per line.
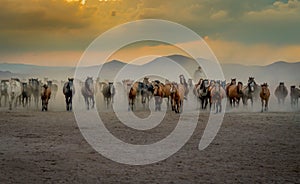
[58, 26]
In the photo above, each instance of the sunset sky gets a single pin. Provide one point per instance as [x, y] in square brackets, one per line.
[56, 32]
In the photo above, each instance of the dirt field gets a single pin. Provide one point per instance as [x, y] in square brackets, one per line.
[37, 147]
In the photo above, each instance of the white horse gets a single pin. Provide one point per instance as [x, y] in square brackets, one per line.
[14, 92]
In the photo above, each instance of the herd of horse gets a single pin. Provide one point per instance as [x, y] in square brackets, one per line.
[207, 92]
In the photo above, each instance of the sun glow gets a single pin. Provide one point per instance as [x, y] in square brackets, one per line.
[82, 2]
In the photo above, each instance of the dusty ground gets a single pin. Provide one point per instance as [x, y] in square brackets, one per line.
[37, 147]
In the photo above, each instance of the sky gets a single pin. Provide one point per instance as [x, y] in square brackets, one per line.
[57, 32]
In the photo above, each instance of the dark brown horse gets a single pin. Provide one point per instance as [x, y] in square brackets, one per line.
[264, 96]
[69, 91]
[108, 92]
[26, 94]
[45, 97]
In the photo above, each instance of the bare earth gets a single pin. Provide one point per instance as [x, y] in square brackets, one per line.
[47, 147]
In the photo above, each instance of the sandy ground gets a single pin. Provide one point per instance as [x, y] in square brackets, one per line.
[47, 147]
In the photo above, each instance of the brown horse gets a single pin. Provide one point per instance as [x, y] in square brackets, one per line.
[177, 97]
[45, 96]
[161, 91]
[235, 93]
[264, 96]
[132, 96]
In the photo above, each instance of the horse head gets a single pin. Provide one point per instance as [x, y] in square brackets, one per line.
[233, 81]
[240, 87]
[174, 87]
[205, 84]
[251, 86]
[89, 83]
[182, 79]
[157, 90]
[264, 88]
[111, 88]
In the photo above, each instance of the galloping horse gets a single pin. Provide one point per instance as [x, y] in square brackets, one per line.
[250, 91]
[4, 91]
[45, 97]
[161, 91]
[36, 88]
[177, 97]
[87, 92]
[232, 83]
[281, 93]
[295, 95]
[203, 93]
[14, 92]
[185, 84]
[26, 94]
[264, 96]
[147, 90]
[217, 94]
[108, 92]
[235, 93]
[69, 91]
[131, 97]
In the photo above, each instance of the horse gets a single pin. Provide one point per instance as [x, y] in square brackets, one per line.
[45, 97]
[108, 92]
[281, 93]
[177, 97]
[235, 93]
[185, 84]
[203, 93]
[26, 94]
[264, 96]
[131, 97]
[232, 83]
[250, 91]
[161, 91]
[69, 91]
[295, 95]
[87, 92]
[14, 92]
[36, 88]
[53, 88]
[146, 89]
[217, 94]
[4, 91]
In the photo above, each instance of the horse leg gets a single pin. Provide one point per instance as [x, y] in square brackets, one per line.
[93, 100]
[46, 105]
[22, 101]
[67, 102]
[87, 102]
[128, 105]
[266, 105]
[262, 105]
